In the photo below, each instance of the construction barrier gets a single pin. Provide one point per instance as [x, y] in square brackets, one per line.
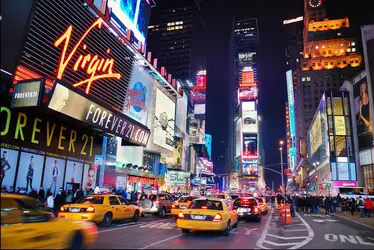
[286, 214]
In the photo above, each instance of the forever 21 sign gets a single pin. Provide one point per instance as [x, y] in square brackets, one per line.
[72, 104]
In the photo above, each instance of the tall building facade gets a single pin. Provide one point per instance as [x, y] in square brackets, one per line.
[330, 55]
[176, 37]
[244, 116]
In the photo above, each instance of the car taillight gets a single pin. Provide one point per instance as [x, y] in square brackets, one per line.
[90, 209]
[218, 217]
[62, 209]
[256, 209]
[180, 216]
[204, 207]
[137, 202]
[158, 202]
[173, 206]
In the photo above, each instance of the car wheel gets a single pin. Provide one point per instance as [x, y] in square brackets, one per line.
[235, 225]
[107, 221]
[185, 231]
[77, 242]
[162, 212]
[258, 219]
[226, 232]
[135, 218]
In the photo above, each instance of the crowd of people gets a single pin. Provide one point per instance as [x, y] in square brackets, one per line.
[331, 205]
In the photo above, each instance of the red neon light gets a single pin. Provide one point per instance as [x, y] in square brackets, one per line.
[25, 74]
[91, 63]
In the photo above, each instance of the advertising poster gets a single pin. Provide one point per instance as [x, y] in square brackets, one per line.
[30, 171]
[163, 134]
[201, 119]
[139, 95]
[199, 109]
[249, 121]
[27, 94]
[250, 169]
[74, 172]
[315, 134]
[246, 59]
[343, 171]
[234, 181]
[8, 166]
[250, 147]
[121, 182]
[54, 174]
[89, 176]
[363, 115]
[181, 114]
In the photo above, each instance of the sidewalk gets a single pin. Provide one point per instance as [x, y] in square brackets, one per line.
[356, 218]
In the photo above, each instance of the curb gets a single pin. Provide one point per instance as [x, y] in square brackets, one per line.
[357, 222]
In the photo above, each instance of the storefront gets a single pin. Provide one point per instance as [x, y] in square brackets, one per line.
[176, 182]
[55, 123]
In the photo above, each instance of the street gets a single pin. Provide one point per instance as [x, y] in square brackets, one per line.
[306, 231]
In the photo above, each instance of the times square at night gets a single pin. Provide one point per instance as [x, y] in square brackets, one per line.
[189, 124]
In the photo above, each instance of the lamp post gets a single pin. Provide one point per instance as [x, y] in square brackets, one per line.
[281, 155]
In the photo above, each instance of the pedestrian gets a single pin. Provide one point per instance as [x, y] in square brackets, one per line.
[293, 204]
[48, 193]
[353, 205]
[41, 195]
[58, 201]
[33, 193]
[368, 206]
[327, 205]
[361, 206]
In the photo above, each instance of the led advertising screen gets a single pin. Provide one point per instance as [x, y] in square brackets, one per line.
[246, 94]
[247, 77]
[250, 124]
[250, 169]
[181, 113]
[315, 134]
[139, 95]
[131, 14]
[27, 94]
[363, 117]
[163, 133]
[238, 137]
[249, 152]
[246, 58]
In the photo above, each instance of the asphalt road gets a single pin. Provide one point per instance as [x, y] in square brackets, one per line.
[305, 232]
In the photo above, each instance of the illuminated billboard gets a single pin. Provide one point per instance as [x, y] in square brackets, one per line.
[163, 134]
[247, 77]
[249, 152]
[238, 137]
[131, 14]
[249, 118]
[199, 109]
[250, 169]
[315, 134]
[247, 94]
[246, 58]
[181, 113]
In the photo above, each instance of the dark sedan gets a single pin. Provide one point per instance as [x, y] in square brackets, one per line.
[248, 208]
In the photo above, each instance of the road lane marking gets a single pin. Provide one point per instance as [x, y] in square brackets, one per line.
[261, 240]
[350, 238]
[288, 238]
[278, 244]
[161, 241]
[310, 234]
[248, 231]
[125, 226]
[294, 230]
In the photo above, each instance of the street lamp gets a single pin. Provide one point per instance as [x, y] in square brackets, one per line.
[281, 155]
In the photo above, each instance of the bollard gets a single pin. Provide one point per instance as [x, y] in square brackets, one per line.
[286, 219]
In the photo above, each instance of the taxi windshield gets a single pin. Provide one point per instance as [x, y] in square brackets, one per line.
[186, 198]
[91, 200]
[206, 204]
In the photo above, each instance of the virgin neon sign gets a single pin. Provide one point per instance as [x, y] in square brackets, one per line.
[95, 67]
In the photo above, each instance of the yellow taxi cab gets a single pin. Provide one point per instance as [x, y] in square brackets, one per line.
[100, 208]
[263, 205]
[25, 226]
[222, 196]
[208, 214]
[181, 204]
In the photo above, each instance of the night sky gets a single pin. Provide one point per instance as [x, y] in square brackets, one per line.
[218, 17]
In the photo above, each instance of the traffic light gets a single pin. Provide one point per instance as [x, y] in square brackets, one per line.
[316, 177]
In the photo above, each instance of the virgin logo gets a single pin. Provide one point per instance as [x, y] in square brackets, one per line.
[96, 68]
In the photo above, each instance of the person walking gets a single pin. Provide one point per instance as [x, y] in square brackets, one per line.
[361, 206]
[41, 195]
[368, 206]
[327, 205]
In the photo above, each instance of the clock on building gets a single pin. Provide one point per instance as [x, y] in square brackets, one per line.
[315, 3]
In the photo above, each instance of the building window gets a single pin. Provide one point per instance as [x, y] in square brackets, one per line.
[303, 79]
[308, 78]
[353, 49]
[353, 43]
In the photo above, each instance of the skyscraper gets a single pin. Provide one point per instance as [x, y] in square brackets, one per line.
[245, 46]
[330, 56]
[176, 37]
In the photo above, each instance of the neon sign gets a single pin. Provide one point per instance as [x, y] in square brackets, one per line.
[92, 64]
